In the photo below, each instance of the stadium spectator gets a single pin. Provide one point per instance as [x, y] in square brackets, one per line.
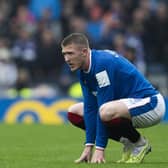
[24, 49]
[45, 22]
[66, 79]
[5, 7]
[78, 24]
[155, 36]
[119, 43]
[23, 80]
[24, 18]
[8, 70]
[94, 27]
[47, 64]
[39, 6]
[130, 54]
[134, 40]
[21, 18]
[117, 100]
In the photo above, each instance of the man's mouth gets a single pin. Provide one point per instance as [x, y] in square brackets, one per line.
[70, 65]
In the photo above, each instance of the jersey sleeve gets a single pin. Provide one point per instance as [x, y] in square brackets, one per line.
[102, 133]
[105, 93]
[90, 114]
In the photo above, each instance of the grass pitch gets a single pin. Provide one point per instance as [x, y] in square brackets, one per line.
[39, 146]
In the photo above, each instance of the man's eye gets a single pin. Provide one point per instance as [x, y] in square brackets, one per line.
[70, 53]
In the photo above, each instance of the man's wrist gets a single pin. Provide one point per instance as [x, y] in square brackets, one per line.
[100, 148]
[89, 144]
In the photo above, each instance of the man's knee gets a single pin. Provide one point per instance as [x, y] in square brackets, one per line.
[76, 109]
[75, 115]
[107, 112]
[72, 108]
[112, 110]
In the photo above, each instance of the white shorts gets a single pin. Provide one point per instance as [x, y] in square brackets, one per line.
[146, 112]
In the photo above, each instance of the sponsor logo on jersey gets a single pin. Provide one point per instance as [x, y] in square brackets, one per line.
[102, 79]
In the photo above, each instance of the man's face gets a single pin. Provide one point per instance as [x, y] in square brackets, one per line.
[74, 56]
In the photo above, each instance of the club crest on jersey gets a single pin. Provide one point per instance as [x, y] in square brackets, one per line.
[94, 93]
[102, 79]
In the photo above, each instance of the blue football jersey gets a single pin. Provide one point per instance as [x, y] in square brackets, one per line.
[110, 77]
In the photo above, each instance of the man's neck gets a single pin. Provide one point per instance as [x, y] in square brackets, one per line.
[88, 62]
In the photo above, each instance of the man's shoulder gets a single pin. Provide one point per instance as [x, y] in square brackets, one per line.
[105, 52]
[104, 57]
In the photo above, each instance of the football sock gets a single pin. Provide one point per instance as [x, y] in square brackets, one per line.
[76, 120]
[114, 129]
[122, 127]
[117, 128]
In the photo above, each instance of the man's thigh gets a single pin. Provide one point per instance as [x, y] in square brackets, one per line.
[145, 112]
[114, 109]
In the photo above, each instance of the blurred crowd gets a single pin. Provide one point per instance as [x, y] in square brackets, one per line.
[31, 64]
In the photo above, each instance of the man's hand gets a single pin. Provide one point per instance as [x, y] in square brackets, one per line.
[98, 156]
[86, 155]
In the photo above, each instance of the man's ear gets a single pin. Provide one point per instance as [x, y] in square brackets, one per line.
[85, 51]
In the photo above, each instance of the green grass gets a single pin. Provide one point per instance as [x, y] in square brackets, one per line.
[39, 146]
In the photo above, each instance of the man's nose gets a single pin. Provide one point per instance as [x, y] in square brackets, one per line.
[66, 58]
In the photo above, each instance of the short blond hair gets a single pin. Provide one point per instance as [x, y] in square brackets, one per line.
[75, 38]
